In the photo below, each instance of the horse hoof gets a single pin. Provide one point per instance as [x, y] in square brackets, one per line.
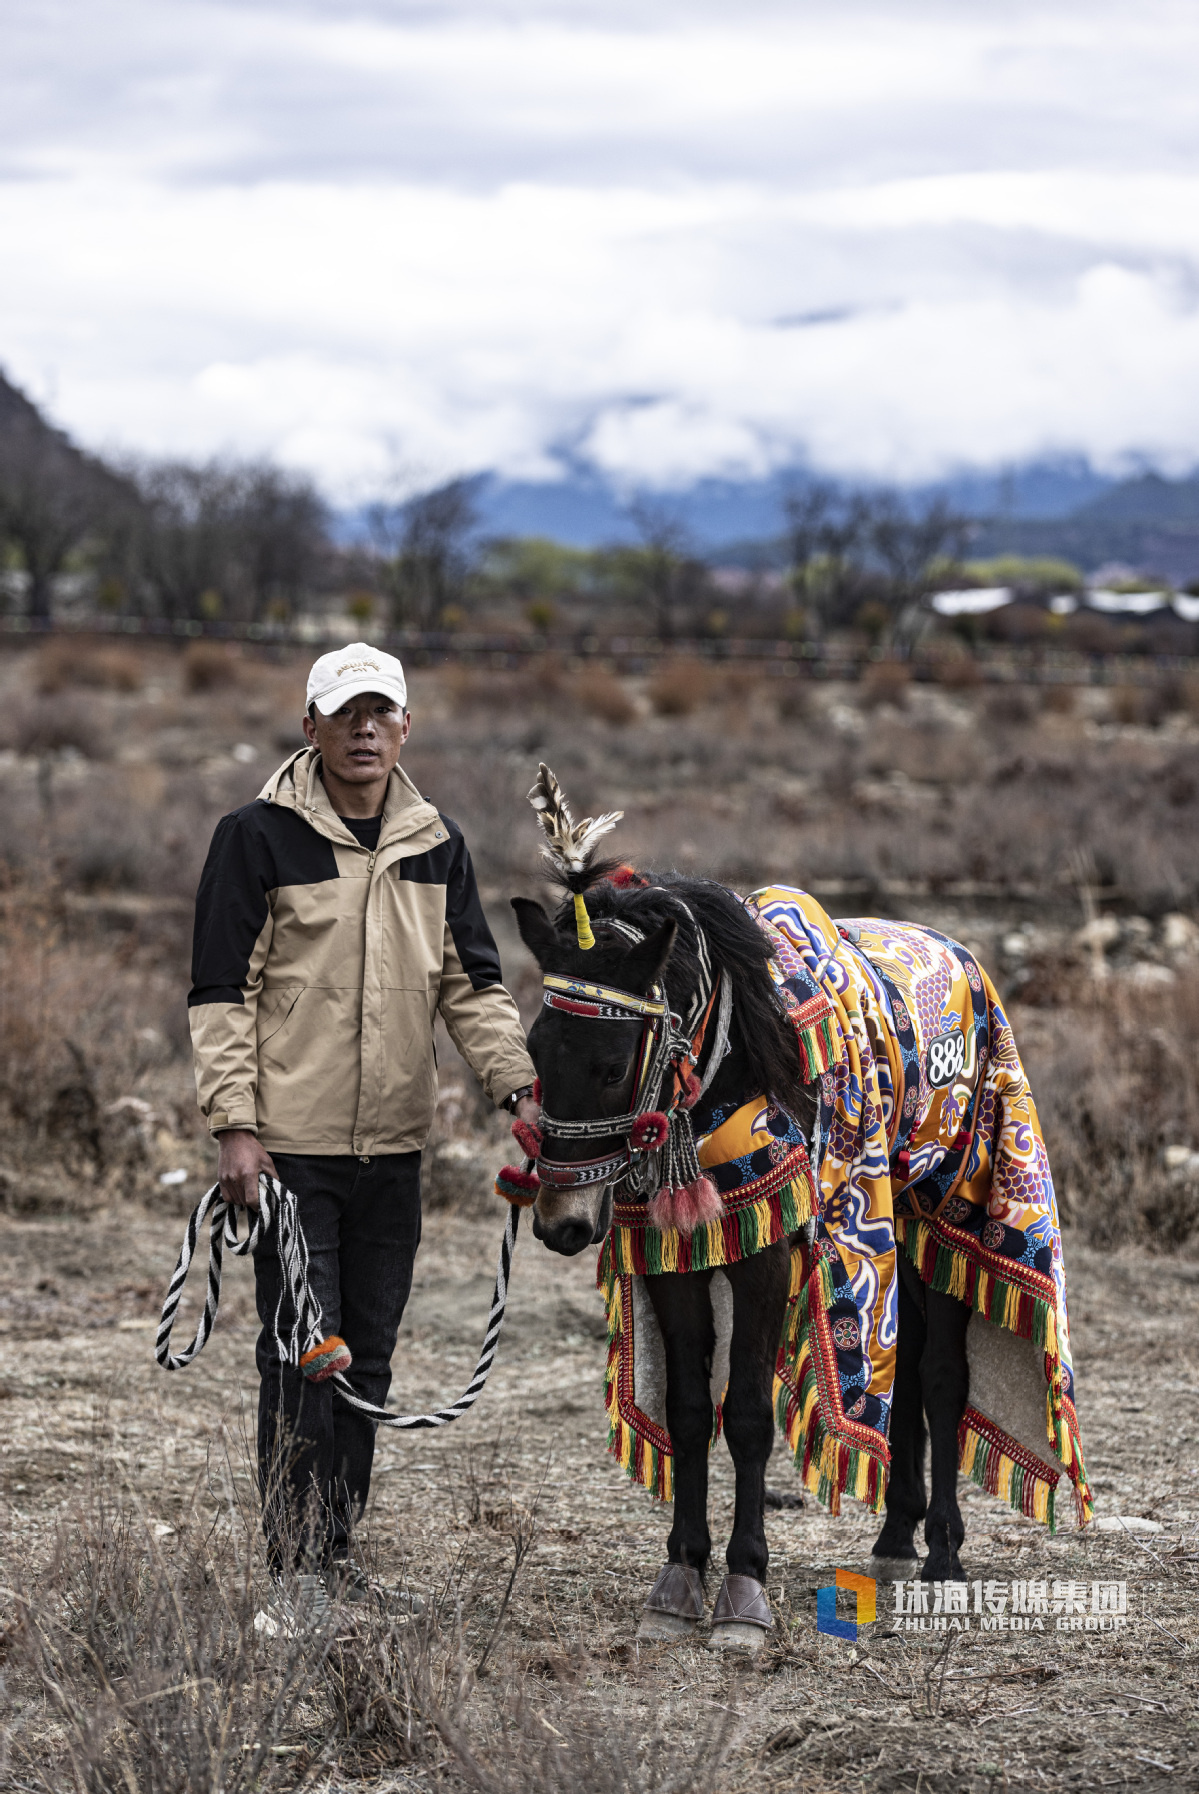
[736, 1635]
[665, 1625]
[675, 1604]
[741, 1617]
[893, 1569]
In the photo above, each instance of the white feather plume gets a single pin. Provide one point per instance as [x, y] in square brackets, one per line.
[570, 845]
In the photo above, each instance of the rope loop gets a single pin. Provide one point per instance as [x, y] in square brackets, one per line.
[298, 1326]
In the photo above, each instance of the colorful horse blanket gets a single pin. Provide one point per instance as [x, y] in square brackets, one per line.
[927, 1143]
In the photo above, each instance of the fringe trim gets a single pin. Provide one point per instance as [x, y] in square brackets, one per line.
[997, 1290]
[641, 1449]
[984, 1455]
[1000, 1292]
[753, 1218]
[834, 1457]
[817, 1046]
[646, 1460]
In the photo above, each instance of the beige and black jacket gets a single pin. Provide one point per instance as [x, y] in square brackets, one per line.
[319, 967]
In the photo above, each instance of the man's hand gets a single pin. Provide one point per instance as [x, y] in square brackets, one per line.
[528, 1109]
[241, 1162]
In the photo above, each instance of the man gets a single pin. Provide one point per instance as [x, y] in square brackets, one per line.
[336, 915]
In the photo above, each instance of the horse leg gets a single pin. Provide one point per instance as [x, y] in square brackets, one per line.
[906, 1497]
[683, 1308]
[945, 1377]
[759, 1285]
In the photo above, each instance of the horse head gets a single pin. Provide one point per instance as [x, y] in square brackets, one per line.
[587, 1067]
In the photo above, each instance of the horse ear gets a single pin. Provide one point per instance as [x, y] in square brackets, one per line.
[648, 960]
[537, 931]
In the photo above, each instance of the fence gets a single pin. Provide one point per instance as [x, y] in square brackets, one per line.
[629, 654]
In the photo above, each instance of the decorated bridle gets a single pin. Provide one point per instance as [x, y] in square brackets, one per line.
[656, 1156]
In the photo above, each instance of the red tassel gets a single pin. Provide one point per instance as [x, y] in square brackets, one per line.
[649, 1130]
[706, 1200]
[687, 1207]
[691, 1085]
[528, 1137]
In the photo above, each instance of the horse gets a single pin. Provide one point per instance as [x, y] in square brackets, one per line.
[686, 936]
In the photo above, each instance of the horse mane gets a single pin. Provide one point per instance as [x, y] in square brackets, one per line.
[736, 945]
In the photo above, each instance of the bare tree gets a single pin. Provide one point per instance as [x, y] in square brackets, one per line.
[245, 535]
[661, 566]
[50, 494]
[282, 537]
[425, 544]
[828, 534]
[908, 541]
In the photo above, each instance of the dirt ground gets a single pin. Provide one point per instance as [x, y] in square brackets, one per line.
[78, 1306]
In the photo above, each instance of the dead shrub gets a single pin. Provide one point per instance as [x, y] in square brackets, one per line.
[1059, 699]
[1114, 1083]
[209, 666]
[48, 724]
[795, 700]
[161, 1657]
[1012, 705]
[885, 682]
[600, 694]
[68, 1045]
[1127, 704]
[68, 661]
[680, 686]
[958, 672]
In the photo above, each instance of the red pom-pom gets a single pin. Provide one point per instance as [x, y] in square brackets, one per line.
[624, 876]
[691, 1085]
[537, 1091]
[528, 1137]
[649, 1130]
[517, 1186]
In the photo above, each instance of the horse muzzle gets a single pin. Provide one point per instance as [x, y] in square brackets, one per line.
[568, 1219]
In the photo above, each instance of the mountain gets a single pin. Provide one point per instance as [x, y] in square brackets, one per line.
[1150, 523]
[740, 520]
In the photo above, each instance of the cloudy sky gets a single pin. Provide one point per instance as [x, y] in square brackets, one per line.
[393, 239]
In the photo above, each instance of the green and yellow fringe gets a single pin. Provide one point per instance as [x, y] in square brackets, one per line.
[1005, 1303]
[754, 1217]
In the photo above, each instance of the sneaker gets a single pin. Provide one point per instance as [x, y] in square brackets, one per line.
[302, 1608]
[350, 1584]
[347, 1582]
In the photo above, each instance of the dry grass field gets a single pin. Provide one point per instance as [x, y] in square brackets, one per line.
[1056, 834]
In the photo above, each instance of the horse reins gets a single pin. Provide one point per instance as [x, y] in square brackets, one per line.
[302, 1344]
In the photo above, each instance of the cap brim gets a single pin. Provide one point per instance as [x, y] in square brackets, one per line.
[333, 700]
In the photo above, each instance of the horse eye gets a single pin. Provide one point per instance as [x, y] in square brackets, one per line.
[616, 1074]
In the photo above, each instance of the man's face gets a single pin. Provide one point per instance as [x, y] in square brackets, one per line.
[360, 742]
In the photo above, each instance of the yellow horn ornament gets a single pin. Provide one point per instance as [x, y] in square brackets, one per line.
[583, 924]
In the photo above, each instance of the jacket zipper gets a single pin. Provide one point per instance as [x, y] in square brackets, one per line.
[370, 865]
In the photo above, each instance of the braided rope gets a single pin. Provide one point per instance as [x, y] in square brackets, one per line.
[278, 1206]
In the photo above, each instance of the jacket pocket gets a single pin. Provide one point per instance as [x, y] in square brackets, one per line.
[275, 1009]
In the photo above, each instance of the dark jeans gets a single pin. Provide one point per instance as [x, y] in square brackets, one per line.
[361, 1221]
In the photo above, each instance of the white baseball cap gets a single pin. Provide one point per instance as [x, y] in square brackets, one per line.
[347, 672]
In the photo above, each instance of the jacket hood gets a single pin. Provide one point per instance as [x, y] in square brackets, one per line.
[297, 785]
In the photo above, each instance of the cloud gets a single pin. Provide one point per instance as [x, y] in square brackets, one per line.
[679, 240]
